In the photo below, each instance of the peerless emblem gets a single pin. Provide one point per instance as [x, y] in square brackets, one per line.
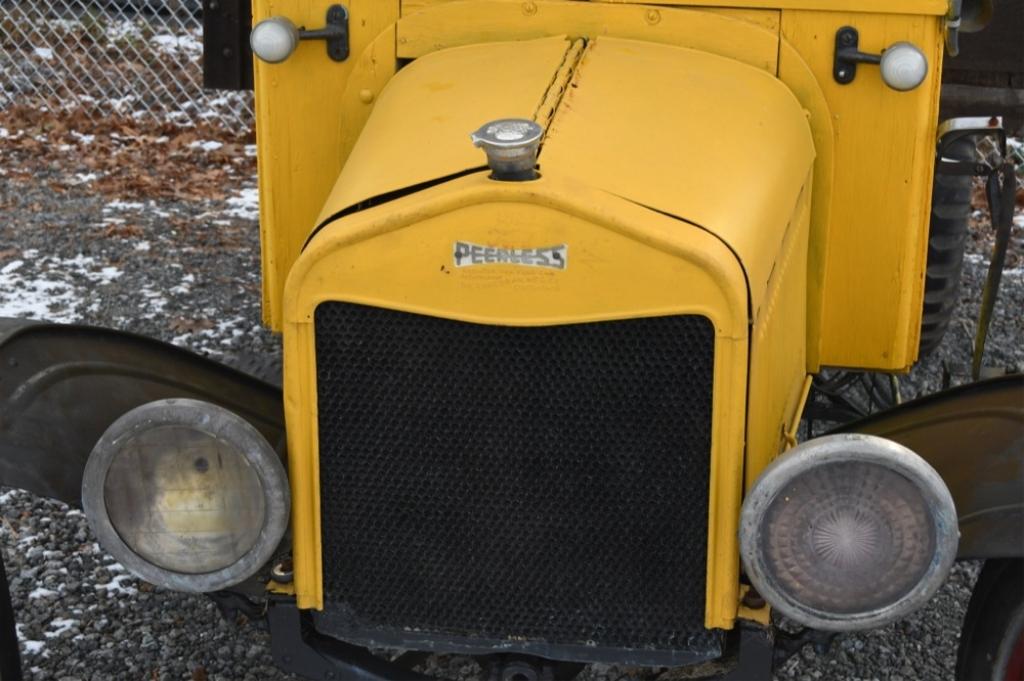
[554, 257]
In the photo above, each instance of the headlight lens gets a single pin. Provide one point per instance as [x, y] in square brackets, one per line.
[848, 532]
[183, 500]
[186, 494]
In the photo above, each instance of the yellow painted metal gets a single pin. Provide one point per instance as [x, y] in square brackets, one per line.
[451, 24]
[372, 71]
[631, 254]
[936, 7]
[280, 588]
[299, 125]
[299, 163]
[420, 127]
[626, 261]
[729, 136]
[802, 82]
[706, 139]
[877, 128]
[762, 615]
[872, 287]
[793, 429]
[559, 84]
[777, 347]
[768, 19]
[933, 7]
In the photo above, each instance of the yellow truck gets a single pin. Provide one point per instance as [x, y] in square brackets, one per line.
[554, 280]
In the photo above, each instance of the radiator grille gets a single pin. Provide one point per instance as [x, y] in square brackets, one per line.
[536, 484]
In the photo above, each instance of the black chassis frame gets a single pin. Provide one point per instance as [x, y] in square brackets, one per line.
[297, 647]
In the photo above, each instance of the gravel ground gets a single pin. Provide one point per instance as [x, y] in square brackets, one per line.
[177, 258]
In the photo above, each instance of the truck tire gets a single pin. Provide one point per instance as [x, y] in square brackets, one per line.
[947, 234]
[992, 639]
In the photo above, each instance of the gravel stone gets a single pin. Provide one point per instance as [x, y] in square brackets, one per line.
[188, 272]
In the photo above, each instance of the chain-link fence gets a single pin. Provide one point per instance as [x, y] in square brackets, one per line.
[139, 58]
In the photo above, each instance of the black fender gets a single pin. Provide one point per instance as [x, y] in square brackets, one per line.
[62, 385]
[973, 435]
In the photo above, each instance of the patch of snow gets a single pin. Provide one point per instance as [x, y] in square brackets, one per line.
[184, 287]
[54, 290]
[84, 138]
[33, 647]
[246, 205]
[43, 592]
[116, 587]
[170, 44]
[211, 340]
[82, 178]
[123, 30]
[43, 52]
[65, 24]
[120, 104]
[142, 246]
[37, 298]
[984, 261]
[250, 149]
[206, 145]
[58, 626]
[12, 266]
[4, 133]
[118, 204]
[155, 302]
[107, 275]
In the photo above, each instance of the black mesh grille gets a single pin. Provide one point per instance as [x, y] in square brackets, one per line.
[541, 484]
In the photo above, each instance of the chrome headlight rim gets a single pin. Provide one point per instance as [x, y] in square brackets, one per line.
[853, 448]
[217, 422]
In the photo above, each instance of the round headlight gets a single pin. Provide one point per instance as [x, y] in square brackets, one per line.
[273, 40]
[904, 66]
[187, 495]
[848, 532]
